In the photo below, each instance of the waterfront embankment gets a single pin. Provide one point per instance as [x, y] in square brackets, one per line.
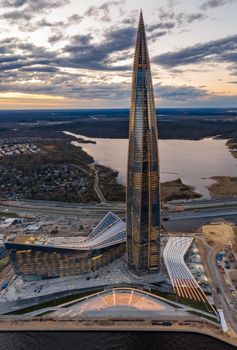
[50, 325]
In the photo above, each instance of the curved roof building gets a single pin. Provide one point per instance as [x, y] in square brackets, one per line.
[36, 257]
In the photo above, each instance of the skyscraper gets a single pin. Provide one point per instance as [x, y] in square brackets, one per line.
[143, 180]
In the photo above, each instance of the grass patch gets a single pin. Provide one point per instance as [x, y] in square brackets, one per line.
[52, 303]
[188, 302]
[213, 319]
[196, 305]
[168, 296]
[44, 313]
[8, 215]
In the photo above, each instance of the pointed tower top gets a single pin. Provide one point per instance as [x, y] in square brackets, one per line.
[141, 51]
[141, 20]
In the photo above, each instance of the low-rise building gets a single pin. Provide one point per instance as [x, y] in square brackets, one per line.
[45, 257]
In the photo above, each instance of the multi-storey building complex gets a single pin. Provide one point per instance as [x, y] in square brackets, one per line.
[37, 257]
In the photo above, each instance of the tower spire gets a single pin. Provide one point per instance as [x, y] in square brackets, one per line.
[143, 180]
[141, 16]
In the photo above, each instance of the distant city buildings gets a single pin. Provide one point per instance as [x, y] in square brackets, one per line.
[143, 180]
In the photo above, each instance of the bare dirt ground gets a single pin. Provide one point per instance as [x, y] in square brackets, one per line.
[222, 232]
[233, 276]
[232, 145]
[224, 186]
[175, 189]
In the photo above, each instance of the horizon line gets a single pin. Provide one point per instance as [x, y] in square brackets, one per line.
[107, 108]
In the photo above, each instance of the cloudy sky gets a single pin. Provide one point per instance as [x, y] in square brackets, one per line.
[78, 54]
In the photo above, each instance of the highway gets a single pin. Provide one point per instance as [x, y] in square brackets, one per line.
[209, 203]
[65, 209]
[185, 220]
[202, 213]
[187, 204]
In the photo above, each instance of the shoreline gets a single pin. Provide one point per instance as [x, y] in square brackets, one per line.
[225, 186]
[177, 190]
[171, 190]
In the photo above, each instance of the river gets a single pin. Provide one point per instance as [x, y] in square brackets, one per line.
[108, 341]
[195, 162]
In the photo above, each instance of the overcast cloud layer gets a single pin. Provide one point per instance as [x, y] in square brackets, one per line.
[57, 53]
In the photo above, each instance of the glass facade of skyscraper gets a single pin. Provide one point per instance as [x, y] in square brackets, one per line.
[143, 180]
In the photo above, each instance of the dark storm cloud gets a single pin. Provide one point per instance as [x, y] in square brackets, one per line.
[85, 54]
[153, 36]
[81, 52]
[15, 3]
[75, 19]
[23, 20]
[47, 69]
[221, 50]
[102, 12]
[16, 15]
[164, 25]
[79, 40]
[26, 10]
[129, 21]
[179, 93]
[121, 38]
[195, 17]
[154, 30]
[20, 64]
[56, 27]
[19, 18]
[6, 59]
[28, 55]
[184, 19]
[56, 82]
[55, 38]
[44, 23]
[74, 86]
[34, 4]
[180, 18]
[214, 3]
[43, 67]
